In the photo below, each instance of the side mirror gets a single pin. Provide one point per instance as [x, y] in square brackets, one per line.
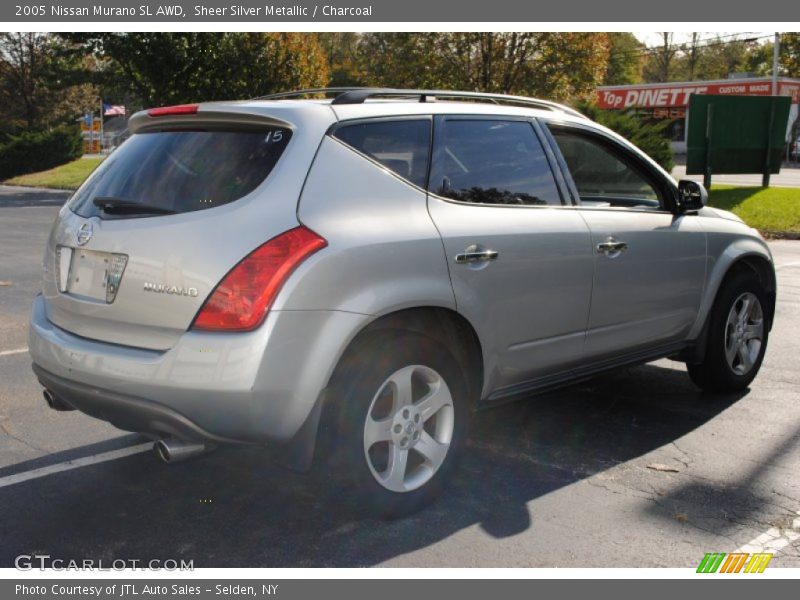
[691, 195]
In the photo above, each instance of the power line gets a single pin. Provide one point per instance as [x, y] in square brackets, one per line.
[699, 44]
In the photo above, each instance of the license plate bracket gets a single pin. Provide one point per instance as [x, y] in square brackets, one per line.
[95, 275]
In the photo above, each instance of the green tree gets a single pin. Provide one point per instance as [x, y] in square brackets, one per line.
[692, 53]
[169, 68]
[790, 54]
[719, 58]
[660, 63]
[625, 59]
[401, 60]
[554, 65]
[759, 59]
[40, 82]
[646, 134]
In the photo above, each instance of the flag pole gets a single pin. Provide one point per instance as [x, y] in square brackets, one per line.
[102, 139]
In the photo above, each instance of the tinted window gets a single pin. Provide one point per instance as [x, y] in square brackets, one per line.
[600, 173]
[182, 171]
[401, 146]
[493, 162]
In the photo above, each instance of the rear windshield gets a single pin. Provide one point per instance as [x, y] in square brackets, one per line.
[182, 171]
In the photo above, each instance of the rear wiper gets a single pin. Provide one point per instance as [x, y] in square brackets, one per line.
[120, 206]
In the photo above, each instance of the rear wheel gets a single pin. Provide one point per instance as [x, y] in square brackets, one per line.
[737, 336]
[395, 419]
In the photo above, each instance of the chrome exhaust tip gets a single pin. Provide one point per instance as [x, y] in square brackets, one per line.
[54, 403]
[171, 451]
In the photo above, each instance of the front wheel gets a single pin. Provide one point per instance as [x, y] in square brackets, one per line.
[737, 336]
[396, 416]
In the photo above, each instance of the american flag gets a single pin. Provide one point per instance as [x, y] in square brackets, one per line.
[110, 110]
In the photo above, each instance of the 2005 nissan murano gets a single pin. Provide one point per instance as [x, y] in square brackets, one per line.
[353, 272]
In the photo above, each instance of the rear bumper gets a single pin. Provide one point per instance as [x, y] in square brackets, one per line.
[123, 411]
[257, 387]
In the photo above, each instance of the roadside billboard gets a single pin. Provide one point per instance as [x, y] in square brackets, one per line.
[736, 134]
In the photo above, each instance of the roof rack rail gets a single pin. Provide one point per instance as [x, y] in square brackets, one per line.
[358, 95]
[307, 92]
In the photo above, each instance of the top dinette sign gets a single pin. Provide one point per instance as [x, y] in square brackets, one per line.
[678, 95]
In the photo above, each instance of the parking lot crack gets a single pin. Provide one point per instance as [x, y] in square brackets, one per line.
[4, 429]
[687, 460]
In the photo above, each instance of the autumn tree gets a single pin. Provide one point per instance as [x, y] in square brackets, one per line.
[401, 60]
[625, 59]
[790, 54]
[342, 52]
[173, 67]
[553, 65]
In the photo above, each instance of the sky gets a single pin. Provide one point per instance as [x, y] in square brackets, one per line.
[653, 38]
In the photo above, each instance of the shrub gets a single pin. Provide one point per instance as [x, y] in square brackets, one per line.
[647, 134]
[34, 151]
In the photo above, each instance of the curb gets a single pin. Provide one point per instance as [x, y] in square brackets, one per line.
[780, 235]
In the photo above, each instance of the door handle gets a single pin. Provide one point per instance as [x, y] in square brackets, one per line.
[475, 254]
[612, 247]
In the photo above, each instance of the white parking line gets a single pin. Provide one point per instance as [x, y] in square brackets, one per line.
[774, 539]
[74, 464]
[784, 265]
[10, 352]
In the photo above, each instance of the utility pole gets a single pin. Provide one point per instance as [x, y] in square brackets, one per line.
[776, 51]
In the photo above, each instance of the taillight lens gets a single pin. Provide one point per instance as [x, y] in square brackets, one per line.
[178, 109]
[241, 300]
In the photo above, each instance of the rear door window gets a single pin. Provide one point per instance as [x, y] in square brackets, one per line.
[182, 171]
[490, 161]
[402, 146]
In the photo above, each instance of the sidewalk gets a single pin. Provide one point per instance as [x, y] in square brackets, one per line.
[788, 177]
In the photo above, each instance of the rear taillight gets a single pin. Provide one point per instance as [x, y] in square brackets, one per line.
[241, 300]
[178, 109]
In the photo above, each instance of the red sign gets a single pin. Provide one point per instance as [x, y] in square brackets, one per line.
[677, 95]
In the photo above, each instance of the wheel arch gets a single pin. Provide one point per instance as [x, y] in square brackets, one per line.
[748, 255]
[444, 325]
[765, 272]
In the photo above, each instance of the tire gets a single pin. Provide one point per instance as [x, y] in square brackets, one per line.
[408, 391]
[736, 344]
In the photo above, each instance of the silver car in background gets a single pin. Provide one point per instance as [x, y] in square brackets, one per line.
[353, 276]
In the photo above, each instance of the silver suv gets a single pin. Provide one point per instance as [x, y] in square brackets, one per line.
[353, 272]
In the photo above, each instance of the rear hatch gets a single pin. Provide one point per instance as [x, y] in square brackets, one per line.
[143, 242]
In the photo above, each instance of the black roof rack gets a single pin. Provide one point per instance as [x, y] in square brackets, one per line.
[307, 92]
[358, 95]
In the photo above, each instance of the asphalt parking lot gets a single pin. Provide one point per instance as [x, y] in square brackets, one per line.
[633, 469]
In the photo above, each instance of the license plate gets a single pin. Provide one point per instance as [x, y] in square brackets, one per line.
[95, 275]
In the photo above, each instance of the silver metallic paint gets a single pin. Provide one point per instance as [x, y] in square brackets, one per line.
[390, 247]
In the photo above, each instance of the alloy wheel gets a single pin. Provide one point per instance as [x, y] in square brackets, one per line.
[409, 428]
[744, 333]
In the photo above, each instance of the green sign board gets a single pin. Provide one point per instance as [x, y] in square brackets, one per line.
[736, 134]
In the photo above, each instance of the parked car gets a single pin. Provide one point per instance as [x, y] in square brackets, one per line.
[354, 276]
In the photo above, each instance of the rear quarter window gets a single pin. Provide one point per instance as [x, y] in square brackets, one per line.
[184, 171]
[401, 146]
